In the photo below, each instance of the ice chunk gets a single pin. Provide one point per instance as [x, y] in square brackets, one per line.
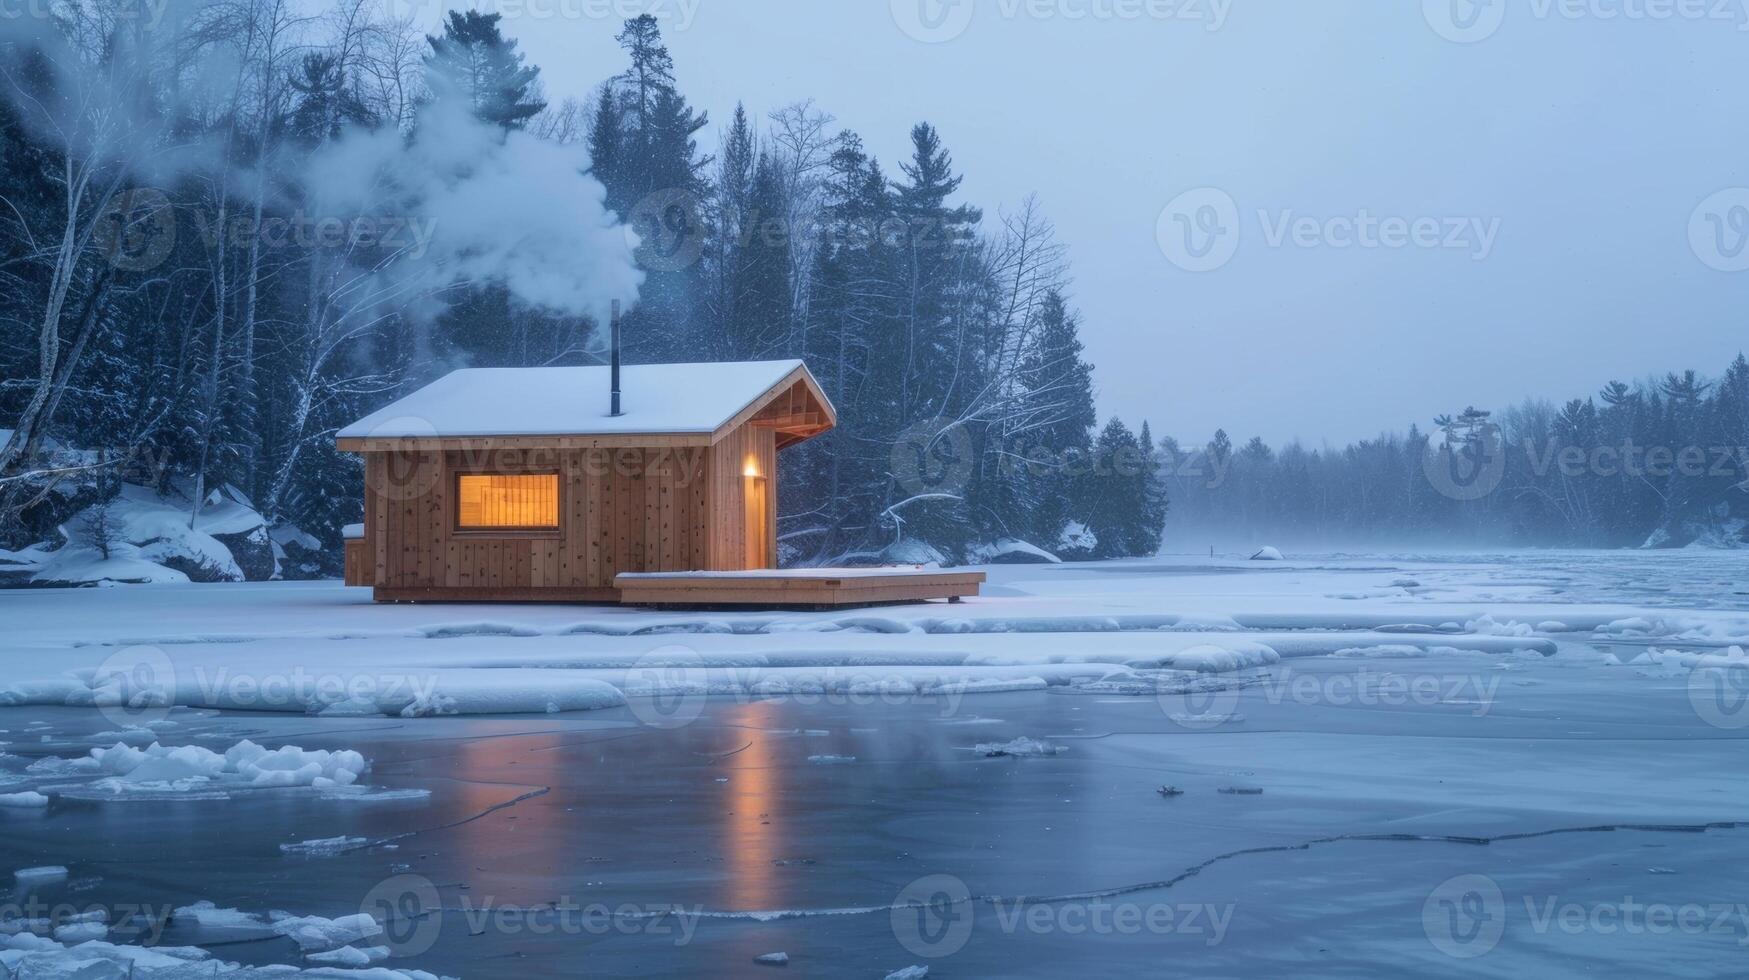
[1019, 747]
[1267, 554]
[324, 846]
[23, 801]
[772, 959]
[81, 932]
[350, 956]
[209, 916]
[47, 872]
[161, 769]
[313, 933]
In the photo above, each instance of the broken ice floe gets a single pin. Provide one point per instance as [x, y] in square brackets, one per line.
[1018, 748]
[122, 772]
[324, 846]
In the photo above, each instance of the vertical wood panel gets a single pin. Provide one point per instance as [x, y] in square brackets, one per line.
[656, 509]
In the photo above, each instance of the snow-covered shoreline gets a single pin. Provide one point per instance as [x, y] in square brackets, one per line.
[318, 647]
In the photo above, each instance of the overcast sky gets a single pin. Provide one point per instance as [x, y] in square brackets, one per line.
[1543, 161]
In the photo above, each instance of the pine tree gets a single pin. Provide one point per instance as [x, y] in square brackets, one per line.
[758, 317]
[1058, 385]
[1151, 528]
[605, 138]
[326, 102]
[1115, 495]
[655, 179]
[474, 63]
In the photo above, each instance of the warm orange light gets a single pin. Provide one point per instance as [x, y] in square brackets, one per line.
[491, 501]
[751, 469]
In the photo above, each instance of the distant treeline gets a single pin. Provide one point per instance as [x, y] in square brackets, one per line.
[1660, 463]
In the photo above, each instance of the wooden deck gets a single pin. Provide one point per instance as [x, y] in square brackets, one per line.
[797, 587]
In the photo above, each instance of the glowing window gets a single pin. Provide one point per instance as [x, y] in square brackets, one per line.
[491, 501]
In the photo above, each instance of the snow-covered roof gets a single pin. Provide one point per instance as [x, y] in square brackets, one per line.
[573, 401]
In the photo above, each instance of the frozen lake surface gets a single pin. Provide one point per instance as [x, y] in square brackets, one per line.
[1505, 765]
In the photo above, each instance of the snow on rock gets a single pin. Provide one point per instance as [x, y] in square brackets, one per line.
[150, 540]
[1012, 551]
[911, 551]
[1078, 539]
[1018, 748]
[1268, 554]
[23, 801]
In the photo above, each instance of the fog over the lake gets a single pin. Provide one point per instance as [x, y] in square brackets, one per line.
[1530, 185]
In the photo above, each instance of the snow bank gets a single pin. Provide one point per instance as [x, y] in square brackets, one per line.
[1210, 659]
[150, 541]
[1268, 554]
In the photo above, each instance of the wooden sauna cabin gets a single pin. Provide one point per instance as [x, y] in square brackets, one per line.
[524, 485]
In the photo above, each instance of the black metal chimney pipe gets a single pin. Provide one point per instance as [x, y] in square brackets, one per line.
[615, 412]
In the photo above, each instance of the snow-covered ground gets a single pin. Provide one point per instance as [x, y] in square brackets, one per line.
[1347, 764]
[309, 647]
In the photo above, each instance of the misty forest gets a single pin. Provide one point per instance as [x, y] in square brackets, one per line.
[228, 232]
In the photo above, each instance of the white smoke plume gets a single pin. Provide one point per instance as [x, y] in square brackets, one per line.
[480, 204]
